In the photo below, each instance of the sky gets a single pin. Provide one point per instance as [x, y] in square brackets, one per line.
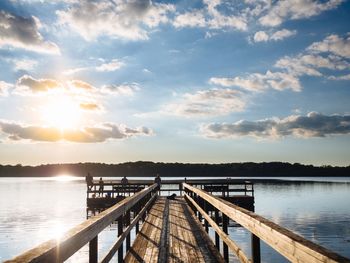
[174, 81]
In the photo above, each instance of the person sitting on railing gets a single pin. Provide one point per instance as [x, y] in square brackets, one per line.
[100, 190]
[89, 181]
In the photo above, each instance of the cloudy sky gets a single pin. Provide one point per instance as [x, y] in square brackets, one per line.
[187, 81]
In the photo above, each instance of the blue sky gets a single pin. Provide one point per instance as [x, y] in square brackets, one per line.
[188, 81]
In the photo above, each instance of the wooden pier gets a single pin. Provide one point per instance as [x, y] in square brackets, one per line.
[177, 230]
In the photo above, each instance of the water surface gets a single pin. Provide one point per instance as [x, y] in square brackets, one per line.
[33, 210]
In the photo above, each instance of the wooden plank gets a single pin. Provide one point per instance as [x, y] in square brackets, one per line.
[145, 247]
[292, 246]
[190, 243]
[185, 236]
[121, 238]
[60, 250]
[230, 243]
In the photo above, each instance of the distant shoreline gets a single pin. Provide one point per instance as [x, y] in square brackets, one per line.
[181, 170]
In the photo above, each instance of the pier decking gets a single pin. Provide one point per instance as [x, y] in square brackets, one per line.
[172, 234]
[177, 230]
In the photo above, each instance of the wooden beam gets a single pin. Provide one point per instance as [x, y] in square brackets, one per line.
[225, 238]
[58, 250]
[294, 247]
[93, 250]
[121, 238]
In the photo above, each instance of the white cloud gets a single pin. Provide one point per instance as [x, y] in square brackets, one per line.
[89, 134]
[262, 36]
[110, 66]
[24, 64]
[23, 32]
[344, 77]
[261, 82]
[90, 106]
[72, 71]
[333, 44]
[4, 87]
[123, 90]
[119, 19]
[79, 84]
[282, 34]
[211, 18]
[285, 10]
[27, 85]
[309, 64]
[312, 125]
[190, 19]
[213, 102]
[113, 65]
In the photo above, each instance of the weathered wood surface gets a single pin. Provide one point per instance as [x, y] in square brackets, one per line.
[171, 233]
[59, 250]
[126, 232]
[224, 237]
[292, 246]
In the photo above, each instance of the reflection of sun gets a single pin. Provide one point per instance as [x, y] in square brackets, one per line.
[61, 112]
[58, 230]
[65, 178]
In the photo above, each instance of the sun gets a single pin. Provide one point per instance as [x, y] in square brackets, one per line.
[62, 112]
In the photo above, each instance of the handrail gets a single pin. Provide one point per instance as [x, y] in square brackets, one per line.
[119, 241]
[229, 242]
[292, 246]
[60, 250]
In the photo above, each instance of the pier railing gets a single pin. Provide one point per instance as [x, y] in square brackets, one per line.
[294, 247]
[59, 250]
[223, 187]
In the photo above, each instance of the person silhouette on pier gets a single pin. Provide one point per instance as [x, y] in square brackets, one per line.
[158, 181]
[89, 181]
[100, 190]
[124, 181]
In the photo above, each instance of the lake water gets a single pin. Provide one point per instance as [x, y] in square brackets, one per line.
[33, 210]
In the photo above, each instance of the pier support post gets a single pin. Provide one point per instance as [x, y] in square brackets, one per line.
[120, 232]
[201, 204]
[217, 237]
[138, 221]
[225, 229]
[256, 258]
[127, 223]
[93, 250]
[206, 224]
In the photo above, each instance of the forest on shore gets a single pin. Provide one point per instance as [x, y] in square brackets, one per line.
[150, 169]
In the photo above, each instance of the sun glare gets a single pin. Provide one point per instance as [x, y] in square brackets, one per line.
[58, 230]
[64, 178]
[62, 112]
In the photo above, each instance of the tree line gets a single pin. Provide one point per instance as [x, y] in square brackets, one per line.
[150, 169]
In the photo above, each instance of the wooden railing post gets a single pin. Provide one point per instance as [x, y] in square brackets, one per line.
[93, 248]
[255, 241]
[127, 223]
[120, 232]
[205, 208]
[138, 221]
[217, 238]
[224, 228]
[200, 202]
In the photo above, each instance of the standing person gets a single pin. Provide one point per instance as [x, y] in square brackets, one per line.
[89, 181]
[158, 181]
[100, 190]
[124, 181]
